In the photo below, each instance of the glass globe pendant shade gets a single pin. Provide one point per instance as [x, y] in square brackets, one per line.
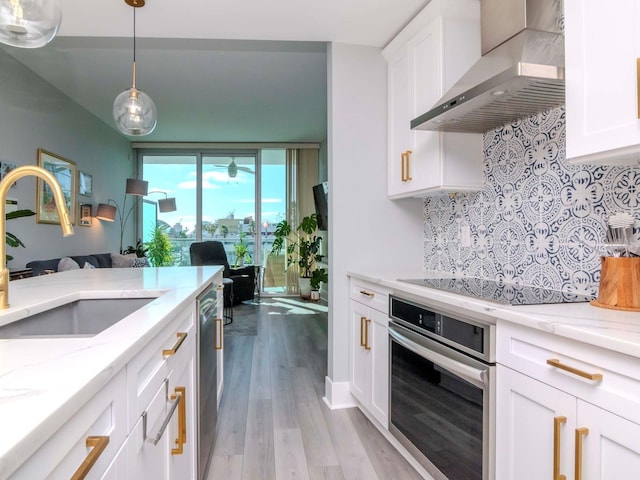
[29, 23]
[134, 112]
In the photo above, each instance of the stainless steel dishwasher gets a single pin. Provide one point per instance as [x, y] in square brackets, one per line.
[207, 366]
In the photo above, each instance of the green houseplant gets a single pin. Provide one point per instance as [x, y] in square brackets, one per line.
[302, 249]
[159, 248]
[242, 252]
[10, 238]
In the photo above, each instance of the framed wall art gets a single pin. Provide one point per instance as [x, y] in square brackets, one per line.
[65, 172]
[85, 184]
[84, 215]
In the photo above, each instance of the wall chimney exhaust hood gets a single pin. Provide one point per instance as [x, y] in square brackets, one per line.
[520, 73]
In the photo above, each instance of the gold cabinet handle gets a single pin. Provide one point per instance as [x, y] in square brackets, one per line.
[97, 444]
[638, 80]
[557, 424]
[362, 320]
[366, 334]
[403, 173]
[580, 434]
[367, 294]
[218, 345]
[408, 168]
[594, 377]
[181, 337]
[181, 395]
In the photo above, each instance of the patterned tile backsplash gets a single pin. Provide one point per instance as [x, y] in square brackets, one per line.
[539, 220]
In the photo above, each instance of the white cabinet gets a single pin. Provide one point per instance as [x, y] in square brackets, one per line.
[369, 352]
[219, 344]
[602, 47]
[576, 415]
[424, 61]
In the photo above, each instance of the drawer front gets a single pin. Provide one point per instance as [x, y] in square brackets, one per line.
[63, 453]
[152, 365]
[614, 382]
[370, 294]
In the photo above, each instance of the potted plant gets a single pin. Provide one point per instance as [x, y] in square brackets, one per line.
[242, 252]
[159, 248]
[10, 238]
[302, 247]
[318, 277]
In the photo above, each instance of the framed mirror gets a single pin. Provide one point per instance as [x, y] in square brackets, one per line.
[65, 172]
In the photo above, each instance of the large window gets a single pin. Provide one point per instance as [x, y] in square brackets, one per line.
[227, 196]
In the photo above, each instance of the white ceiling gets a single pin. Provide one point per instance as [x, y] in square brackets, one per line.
[218, 70]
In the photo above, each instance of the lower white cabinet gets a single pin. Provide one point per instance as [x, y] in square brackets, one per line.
[369, 353]
[564, 409]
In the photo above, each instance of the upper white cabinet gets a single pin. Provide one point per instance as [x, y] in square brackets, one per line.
[424, 60]
[602, 47]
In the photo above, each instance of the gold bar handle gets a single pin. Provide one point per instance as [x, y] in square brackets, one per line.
[181, 395]
[557, 424]
[362, 320]
[638, 79]
[97, 444]
[580, 434]
[367, 294]
[403, 172]
[594, 377]
[366, 334]
[181, 337]
[408, 157]
[218, 345]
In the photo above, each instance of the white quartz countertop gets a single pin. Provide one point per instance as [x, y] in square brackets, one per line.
[44, 381]
[611, 329]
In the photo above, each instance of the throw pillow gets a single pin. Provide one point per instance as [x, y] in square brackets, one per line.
[122, 261]
[67, 263]
[87, 266]
[140, 262]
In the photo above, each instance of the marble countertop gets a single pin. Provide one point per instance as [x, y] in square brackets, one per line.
[44, 381]
[611, 329]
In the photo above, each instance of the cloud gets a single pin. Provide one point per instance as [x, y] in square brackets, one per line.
[192, 184]
[271, 200]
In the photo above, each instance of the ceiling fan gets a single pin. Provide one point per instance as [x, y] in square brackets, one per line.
[233, 168]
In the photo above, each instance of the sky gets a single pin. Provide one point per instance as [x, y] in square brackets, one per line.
[221, 195]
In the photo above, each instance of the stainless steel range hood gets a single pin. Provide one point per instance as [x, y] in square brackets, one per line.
[521, 72]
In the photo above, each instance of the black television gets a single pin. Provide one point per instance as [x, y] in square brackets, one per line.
[321, 199]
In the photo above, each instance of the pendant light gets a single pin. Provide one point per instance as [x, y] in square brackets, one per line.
[133, 110]
[29, 23]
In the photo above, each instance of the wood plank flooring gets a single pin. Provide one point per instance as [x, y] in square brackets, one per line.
[273, 424]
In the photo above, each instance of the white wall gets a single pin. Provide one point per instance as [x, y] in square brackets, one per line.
[33, 114]
[365, 228]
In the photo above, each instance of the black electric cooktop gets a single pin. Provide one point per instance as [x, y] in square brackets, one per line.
[503, 293]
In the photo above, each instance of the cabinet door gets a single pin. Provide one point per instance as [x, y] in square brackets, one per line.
[360, 355]
[379, 341]
[602, 46]
[525, 422]
[182, 429]
[611, 448]
[399, 118]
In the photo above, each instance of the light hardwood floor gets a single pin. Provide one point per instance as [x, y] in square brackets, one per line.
[273, 424]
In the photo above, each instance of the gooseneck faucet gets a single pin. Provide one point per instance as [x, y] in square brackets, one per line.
[5, 184]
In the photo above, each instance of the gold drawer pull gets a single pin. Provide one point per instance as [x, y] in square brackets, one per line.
[364, 292]
[557, 424]
[408, 169]
[98, 444]
[362, 320]
[181, 337]
[403, 174]
[181, 396]
[594, 377]
[580, 434]
[218, 345]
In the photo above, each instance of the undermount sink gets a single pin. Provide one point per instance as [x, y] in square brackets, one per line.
[80, 318]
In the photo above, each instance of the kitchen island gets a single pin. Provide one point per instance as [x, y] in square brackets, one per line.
[44, 382]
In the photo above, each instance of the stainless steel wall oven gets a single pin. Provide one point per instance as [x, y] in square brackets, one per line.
[442, 389]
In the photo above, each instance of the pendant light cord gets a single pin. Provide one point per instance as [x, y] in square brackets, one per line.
[134, 34]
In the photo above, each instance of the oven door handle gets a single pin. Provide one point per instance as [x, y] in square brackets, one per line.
[476, 377]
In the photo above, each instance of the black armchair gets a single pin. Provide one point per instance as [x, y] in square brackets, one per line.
[212, 253]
